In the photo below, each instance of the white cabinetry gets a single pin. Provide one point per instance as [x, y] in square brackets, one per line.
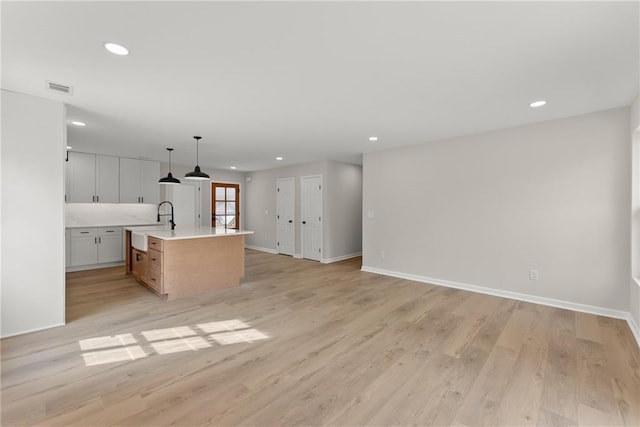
[90, 246]
[92, 178]
[149, 186]
[110, 245]
[139, 181]
[84, 246]
[107, 178]
[81, 170]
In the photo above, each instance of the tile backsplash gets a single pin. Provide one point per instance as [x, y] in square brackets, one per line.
[109, 214]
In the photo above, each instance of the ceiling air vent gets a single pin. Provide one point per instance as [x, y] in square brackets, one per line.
[57, 87]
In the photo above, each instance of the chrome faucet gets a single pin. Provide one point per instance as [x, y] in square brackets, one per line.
[173, 224]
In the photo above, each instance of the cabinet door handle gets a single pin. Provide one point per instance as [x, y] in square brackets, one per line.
[93, 198]
[84, 232]
[99, 239]
[304, 222]
[290, 221]
[95, 240]
[142, 198]
[110, 231]
[97, 198]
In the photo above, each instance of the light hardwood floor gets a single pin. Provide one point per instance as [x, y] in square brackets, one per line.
[301, 343]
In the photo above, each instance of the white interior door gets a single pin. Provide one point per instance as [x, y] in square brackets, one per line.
[311, 211]
[285, 215]
[185, 207]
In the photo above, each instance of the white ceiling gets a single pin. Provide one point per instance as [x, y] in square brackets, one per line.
[313, 80]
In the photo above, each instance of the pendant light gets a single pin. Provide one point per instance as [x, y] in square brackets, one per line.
[169, 179]
[197, 174]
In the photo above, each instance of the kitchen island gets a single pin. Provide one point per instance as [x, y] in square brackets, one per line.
[185, 261]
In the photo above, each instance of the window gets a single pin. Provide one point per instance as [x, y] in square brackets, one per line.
[225, 205]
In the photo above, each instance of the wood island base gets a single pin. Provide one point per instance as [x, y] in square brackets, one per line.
[185, 267]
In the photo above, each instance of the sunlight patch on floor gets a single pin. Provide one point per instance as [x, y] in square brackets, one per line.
[113, 355]
[106, 342]
[226, 325]
[169, 333]
[126, 347]
[175, 346]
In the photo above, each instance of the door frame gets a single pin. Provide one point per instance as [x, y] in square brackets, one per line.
[212, 201]
[293, 196]
[302, 178]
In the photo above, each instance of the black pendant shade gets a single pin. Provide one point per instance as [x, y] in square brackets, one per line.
[197, 173]
[169, 179]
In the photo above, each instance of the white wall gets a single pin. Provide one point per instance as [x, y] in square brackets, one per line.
[32, 213]
[634, 285]
[341, 207]
[344, 210]
[260, 210]
[485, 209]
[216, 175]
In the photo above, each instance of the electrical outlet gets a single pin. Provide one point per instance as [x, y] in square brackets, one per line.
[533, 274]
[381, 254]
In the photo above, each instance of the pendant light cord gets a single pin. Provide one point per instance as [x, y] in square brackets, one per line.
[197, 150]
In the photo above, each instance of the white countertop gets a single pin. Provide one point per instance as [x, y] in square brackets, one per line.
[165, 233]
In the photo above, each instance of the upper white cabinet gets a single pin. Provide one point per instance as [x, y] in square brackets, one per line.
[81, 171]
[139, 181]
[149, 185]
[92, 178]
[107, 179]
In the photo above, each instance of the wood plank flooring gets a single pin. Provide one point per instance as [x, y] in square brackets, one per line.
[302, 343]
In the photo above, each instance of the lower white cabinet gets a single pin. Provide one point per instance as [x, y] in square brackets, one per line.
[110, 244]
[91, 246]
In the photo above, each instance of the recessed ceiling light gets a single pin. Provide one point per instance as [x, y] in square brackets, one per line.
[373, 138]
[78, 123]
[537, 103]
[116, 49]
[233, 167]
[69, 147]
[279, 158]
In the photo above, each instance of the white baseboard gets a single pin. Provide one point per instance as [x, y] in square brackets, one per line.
[584, 308]
[299, 256]
[261, 249]
[634, 327]
[340, 258]
[33, 330]
[93, 266]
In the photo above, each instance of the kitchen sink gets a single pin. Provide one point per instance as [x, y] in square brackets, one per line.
[139, 240]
